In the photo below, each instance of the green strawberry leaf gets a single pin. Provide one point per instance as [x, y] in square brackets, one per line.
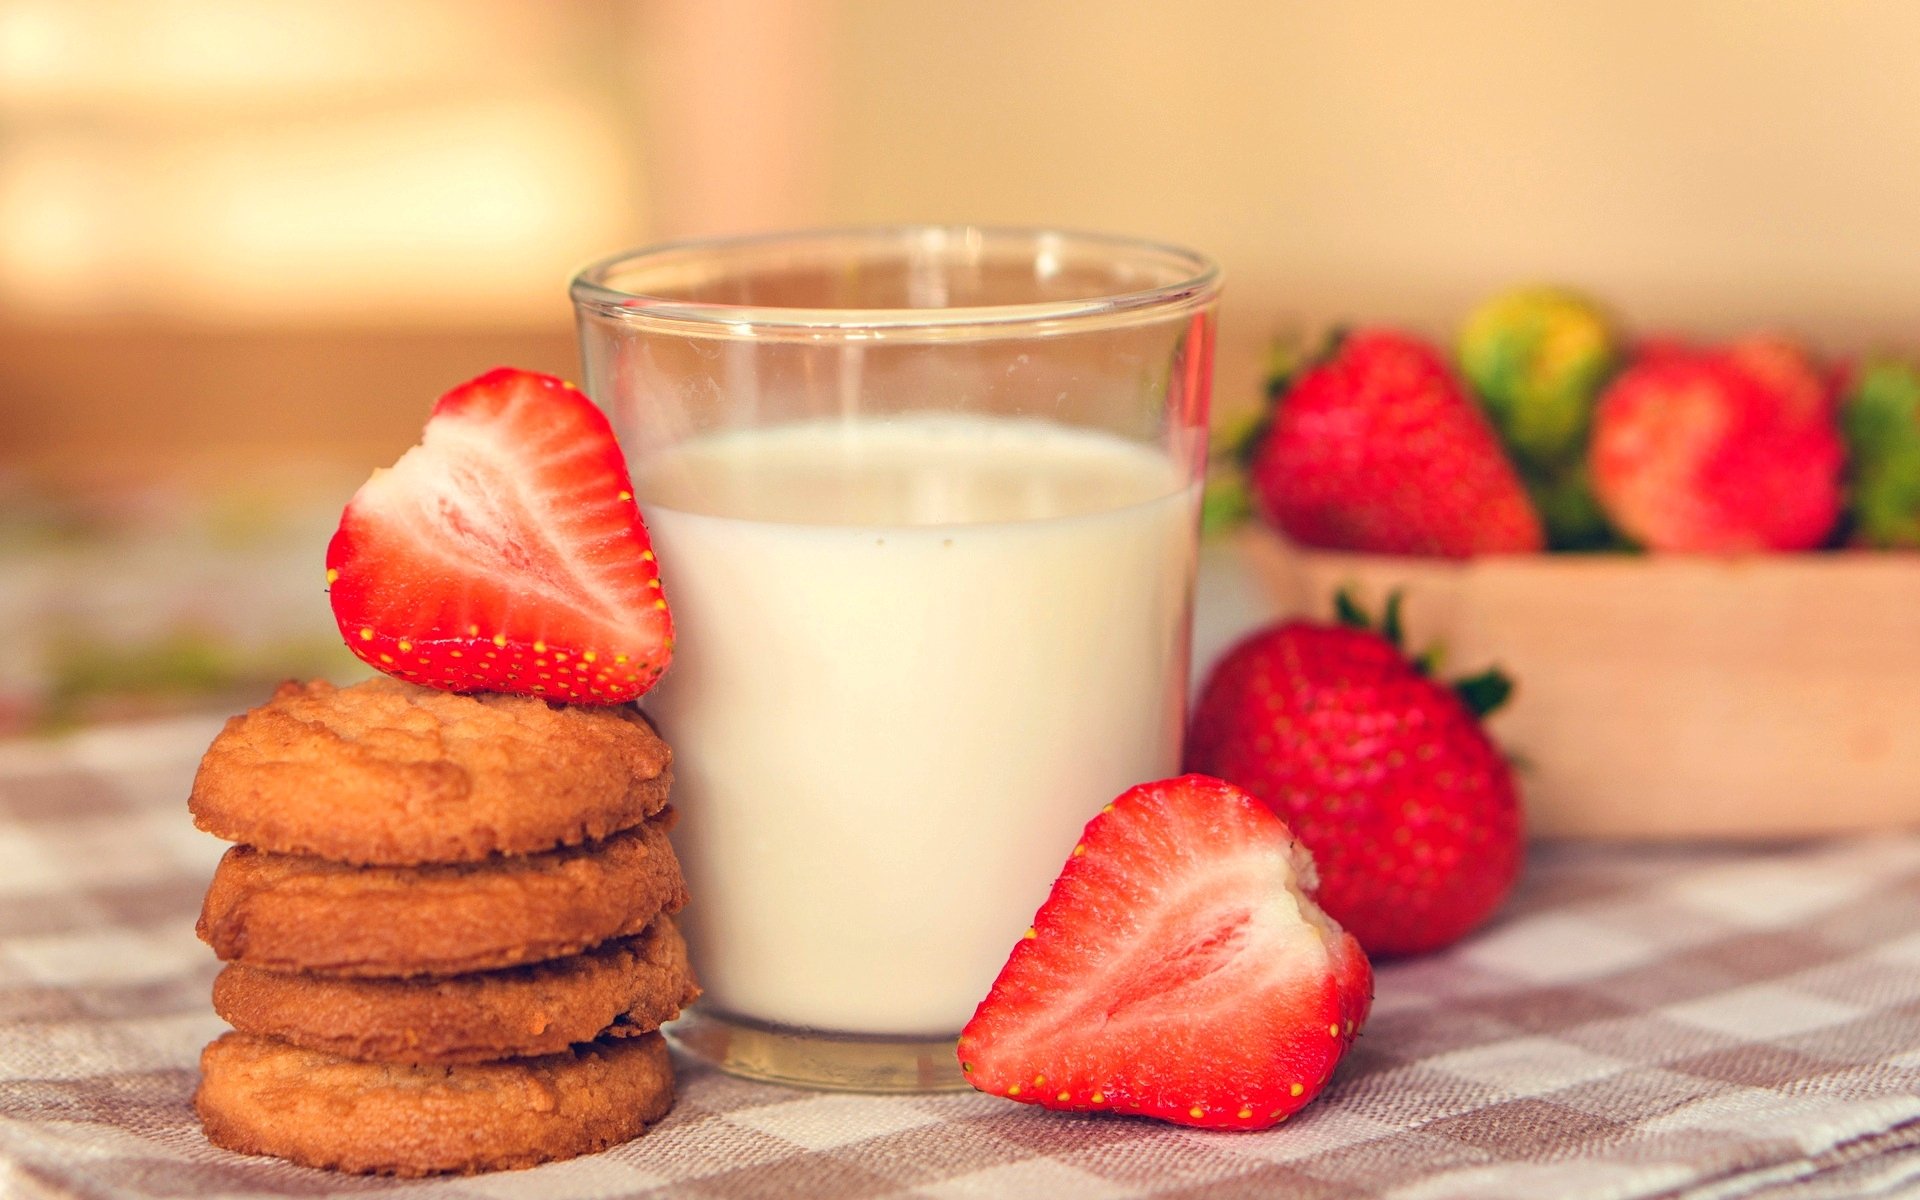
[1236, 443]
[1485, 692]
[1428, 661]
[1348, 612]
[1882, 426]
[1390, 627]
[1227, 502]
[1482, 693]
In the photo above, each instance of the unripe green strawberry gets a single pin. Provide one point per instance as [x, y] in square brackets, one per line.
[1881, 420]
[1537, 357]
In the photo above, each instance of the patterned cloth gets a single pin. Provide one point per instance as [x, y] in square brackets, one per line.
[1700, 1022]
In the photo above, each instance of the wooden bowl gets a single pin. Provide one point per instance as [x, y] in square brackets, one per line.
[1665, 697]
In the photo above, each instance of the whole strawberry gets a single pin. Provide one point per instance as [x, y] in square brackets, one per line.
[1882, 419]
[1720, 450]
[1780, 365]
[1385, 774]
[1377, 447]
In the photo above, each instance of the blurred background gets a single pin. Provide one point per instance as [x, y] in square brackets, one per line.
[245, 243]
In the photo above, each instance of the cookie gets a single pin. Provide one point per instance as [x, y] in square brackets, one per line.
[388, 773]
[623, 988]
[284, 912]
[259, 1096]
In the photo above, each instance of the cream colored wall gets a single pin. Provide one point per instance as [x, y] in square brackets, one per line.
[1717, 163]
[1705, 164]
[399, 181]
[260, 164]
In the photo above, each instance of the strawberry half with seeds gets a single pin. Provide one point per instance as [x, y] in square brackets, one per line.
[1179, 969]
[505, 552]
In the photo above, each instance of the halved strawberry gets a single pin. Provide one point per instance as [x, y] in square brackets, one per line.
[505, 552]
[1179, 969]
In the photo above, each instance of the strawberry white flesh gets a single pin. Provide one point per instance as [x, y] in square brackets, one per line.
[1179, 969]
[505, 552]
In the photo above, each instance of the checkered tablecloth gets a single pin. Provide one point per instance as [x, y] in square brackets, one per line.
[1700, 1022]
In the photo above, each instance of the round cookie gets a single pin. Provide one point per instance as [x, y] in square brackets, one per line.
[389, 773]
[259, 1096]
[286, 912]
[623, 988]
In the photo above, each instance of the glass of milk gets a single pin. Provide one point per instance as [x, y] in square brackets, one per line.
[925, 502]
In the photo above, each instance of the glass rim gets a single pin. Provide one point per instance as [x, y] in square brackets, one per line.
[1196, 281]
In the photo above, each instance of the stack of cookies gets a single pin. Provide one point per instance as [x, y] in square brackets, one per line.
[446, 929]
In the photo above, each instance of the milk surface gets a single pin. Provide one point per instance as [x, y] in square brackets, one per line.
[914, 658]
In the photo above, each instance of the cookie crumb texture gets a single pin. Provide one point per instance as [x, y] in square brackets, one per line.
[387, 773]
[259, 1096]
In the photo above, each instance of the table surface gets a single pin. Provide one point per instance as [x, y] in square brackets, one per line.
[1705, 1021]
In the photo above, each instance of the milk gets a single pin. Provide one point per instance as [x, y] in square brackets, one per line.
[914, 658]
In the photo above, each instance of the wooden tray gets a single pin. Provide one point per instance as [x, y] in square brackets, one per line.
[1765, 697]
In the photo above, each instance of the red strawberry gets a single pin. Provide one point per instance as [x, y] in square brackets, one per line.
[505, 552]
[1385, 774]
[1720, 451]
[1805, 391]
[1379, 448]
[1179, 969]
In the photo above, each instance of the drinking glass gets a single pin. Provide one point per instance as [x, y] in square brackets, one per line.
[925, 502]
